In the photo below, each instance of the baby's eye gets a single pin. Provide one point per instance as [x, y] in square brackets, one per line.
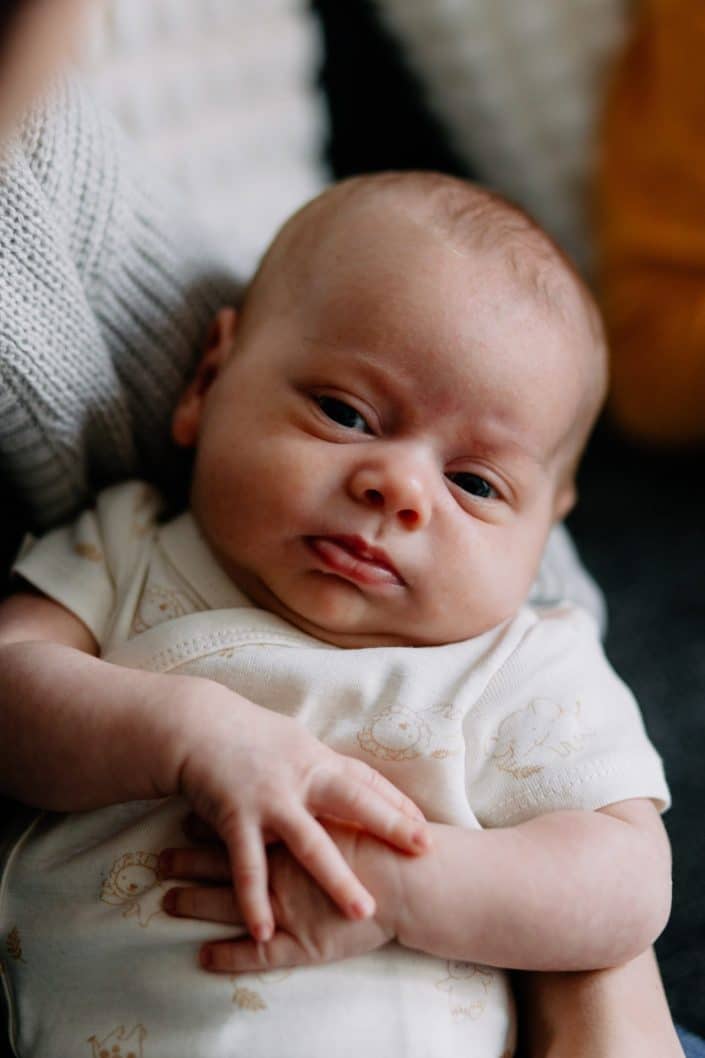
[342, 413]
[473, 484]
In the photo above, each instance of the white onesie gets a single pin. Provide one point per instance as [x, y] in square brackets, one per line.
[525, 719]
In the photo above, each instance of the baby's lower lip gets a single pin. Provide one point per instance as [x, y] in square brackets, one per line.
[347, 564]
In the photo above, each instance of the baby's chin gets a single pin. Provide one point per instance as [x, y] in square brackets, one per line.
[337, 612]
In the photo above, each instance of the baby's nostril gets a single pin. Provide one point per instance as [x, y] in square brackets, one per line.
[374, 496]
[409, 517]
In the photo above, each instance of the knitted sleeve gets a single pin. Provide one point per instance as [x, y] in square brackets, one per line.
[105, 292]
[651, 225]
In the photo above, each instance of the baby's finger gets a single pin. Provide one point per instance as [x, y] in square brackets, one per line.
[245, 956]
[361, 803]
[208, 864]
[248, 863]
[312, 846]
[209, 905]
[367, 776]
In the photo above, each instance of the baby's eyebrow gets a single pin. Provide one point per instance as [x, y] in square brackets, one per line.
[490, 442]
[510, 458]
[399, 383]
[392, 380]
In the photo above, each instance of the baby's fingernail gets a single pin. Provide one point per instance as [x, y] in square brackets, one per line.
[169, 901]
[262, 932]
[421, 839]
[206, 958]
[363, 908]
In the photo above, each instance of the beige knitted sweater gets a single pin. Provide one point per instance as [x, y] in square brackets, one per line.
[105, 291]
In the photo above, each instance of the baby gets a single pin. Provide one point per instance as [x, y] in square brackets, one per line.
[383, 436]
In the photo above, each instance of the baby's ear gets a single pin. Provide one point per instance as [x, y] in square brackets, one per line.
[565, 500]
[186, 420]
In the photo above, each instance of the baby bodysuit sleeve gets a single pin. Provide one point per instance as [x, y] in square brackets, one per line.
[85, 564]
[557, 729]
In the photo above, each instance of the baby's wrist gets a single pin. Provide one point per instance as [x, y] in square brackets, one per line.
[380, 869]
[177, 714]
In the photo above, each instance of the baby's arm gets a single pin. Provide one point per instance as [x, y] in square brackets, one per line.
[77, 733]
[80, 733]
[569, 890]
[591, 914]
[565, 891]
[593, 1014]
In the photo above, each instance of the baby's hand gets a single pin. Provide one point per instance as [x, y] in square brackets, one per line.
[309, 928]
[254, 775]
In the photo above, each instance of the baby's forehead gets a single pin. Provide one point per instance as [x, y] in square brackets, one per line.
[455, 379]
[369, 239]
[487, 240]
[470, 221]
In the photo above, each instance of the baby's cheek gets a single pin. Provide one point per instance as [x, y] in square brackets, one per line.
[487, 586]
[281, 492]
[299, 477]
[515, 565]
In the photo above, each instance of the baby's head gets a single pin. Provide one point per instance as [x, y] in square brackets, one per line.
[387, 430]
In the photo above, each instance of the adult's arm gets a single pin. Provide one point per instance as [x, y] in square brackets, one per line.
[105, 293]
[599, 1014]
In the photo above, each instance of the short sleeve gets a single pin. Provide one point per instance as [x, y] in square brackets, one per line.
[557, 729]
[82, 565]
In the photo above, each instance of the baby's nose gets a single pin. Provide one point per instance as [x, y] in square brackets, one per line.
[398, 489]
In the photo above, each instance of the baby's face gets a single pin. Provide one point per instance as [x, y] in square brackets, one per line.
[379, 454]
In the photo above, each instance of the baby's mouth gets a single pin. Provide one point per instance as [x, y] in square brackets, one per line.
[353, 558]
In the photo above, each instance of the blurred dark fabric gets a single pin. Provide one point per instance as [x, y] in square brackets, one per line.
[12, 519]
[640, 522]
[378, 117]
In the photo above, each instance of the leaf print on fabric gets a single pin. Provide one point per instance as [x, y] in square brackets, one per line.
[119, 1043]
[246, 999]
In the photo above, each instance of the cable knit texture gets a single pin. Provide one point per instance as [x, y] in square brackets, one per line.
[104, 296]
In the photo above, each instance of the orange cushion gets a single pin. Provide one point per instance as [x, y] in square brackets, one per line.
[651, 224]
